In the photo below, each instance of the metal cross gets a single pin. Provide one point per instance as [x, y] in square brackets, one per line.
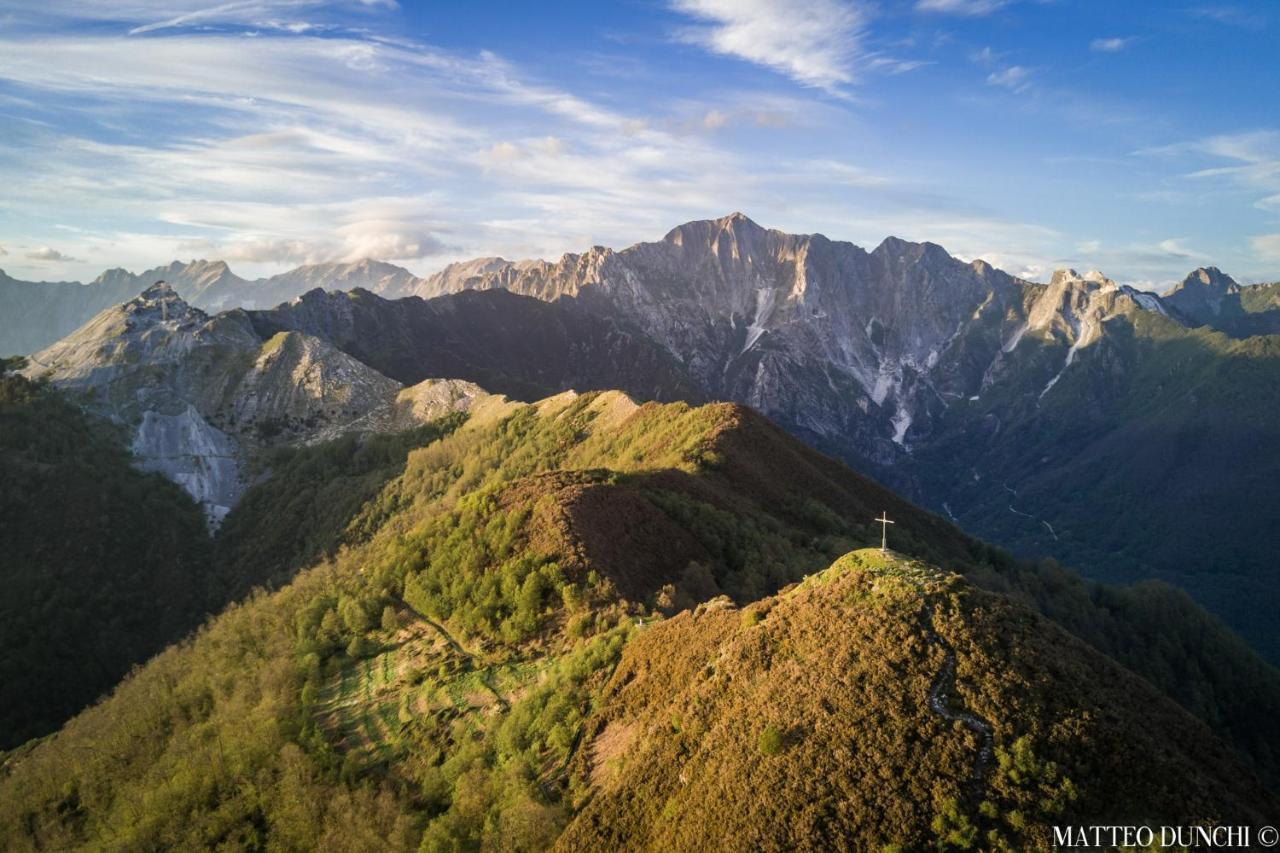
[884, 530]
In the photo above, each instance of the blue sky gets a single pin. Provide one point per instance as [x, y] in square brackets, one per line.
[1142, 139]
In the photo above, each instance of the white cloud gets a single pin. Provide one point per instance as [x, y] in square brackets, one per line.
[3, 252]
[342, 161]
[985, 57]
[1174, 247]
[1015, 78]
[1109, 45]
[971, 8]
[388, 239]
[1230, 15]
[1266, 246]
[146, 16]
[714, 120]
[1253, 162]
[892, 65]
[49, 254]
[815, 42]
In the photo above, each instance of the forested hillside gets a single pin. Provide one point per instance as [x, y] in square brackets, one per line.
[433, 681]
[101, 565]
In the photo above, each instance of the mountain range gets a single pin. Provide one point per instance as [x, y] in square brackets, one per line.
[37, 314]
[1080, 418]
[422, 572]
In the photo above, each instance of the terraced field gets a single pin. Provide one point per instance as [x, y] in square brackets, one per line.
[421, 681]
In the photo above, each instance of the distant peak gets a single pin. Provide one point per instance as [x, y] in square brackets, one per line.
[1211, 276]
[893, 246]
[158, 294]
[160, 289]
[1070, 276]
[735, 223]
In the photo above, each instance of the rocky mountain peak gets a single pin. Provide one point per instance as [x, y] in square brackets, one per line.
[737, 227]
[113, 276]
[895, 250]
[1209, 280]
[1201, 295]
[160, 290]
[202, 272]
[159, 299]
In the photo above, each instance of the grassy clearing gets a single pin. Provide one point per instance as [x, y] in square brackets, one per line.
[368, 706]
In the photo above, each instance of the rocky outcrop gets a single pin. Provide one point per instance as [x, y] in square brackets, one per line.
[201, 395]
[191, 452]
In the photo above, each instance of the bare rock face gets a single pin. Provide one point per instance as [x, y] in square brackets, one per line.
[191, 452]
[862, 352]
[432, 399]
[1202, 294]
[202, 394]
[307, 389]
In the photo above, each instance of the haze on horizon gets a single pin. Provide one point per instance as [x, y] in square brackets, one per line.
[270, 133]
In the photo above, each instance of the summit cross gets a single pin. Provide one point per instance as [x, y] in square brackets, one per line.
[884, 522]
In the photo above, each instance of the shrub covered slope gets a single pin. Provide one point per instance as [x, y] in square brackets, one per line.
[443, 679]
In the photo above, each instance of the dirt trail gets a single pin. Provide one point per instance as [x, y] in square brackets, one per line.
[943, 703]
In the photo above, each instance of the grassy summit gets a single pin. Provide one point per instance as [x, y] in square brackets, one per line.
[883, 703]
[446, 672]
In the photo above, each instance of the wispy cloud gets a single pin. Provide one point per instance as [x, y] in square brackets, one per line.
[1015, 78]
[971, 8]
[986, 57]
[1109, 45]
[361, 148]
[1231, 15]
[1267, 247]
[1174, 248]
[892, 65]
[815, 42]
[1248, 162]
[139, 17]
